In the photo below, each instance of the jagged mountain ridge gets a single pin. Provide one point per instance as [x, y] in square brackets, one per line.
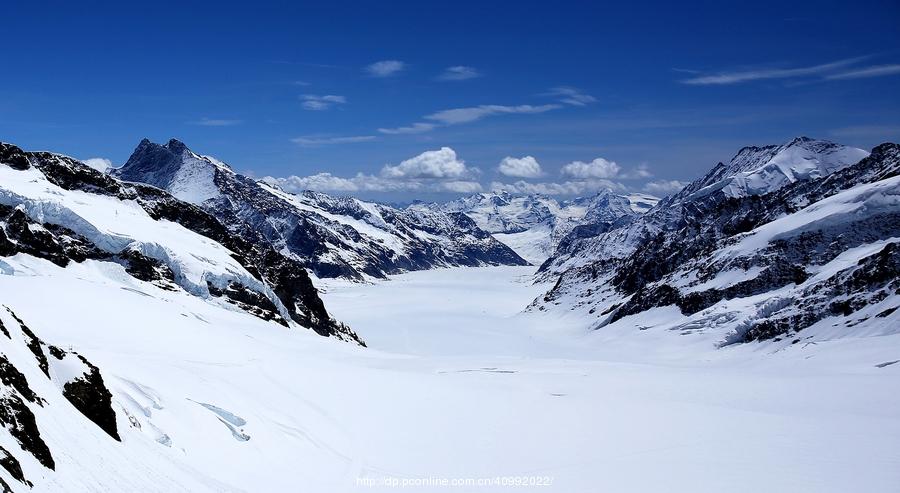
[56, 208]
[753, 171]
[331, 236]
[818, 252]
[534, 224]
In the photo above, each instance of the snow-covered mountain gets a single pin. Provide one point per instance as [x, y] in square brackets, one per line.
[331, 236]
[143, 346]
[753, 171]
[533, 224]
[814, 250]
[56, 208]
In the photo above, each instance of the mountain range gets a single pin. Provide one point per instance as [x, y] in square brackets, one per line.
[533, 224]
[331, 236]
[156, 314]
[785, 242]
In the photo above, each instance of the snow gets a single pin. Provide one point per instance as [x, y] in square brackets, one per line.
[800, 159]
[457, 383]
[114, 225]
[194, 180]
[859, 202]
[533, 245]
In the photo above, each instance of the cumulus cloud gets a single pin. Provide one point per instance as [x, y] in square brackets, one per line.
[98, 163]
[459, 72]
[474, 113]
[663, 187]
[415, 128]
[441, 163]
[432, 171]
[598, 168]
[385, 68]
[642, 171]
[314, 102]
[321, 140]
[318, 181]
[571, 95]
[523, 167]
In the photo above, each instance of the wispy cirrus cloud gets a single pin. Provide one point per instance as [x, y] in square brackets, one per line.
[459, 72]
[866, 72]
[568, 96]
[457, 116]
[571, 96]
[385, 68]
[415, 128]
[215, 122]
[741, 76]
[323, 140]
[314, 102]
[474, 113]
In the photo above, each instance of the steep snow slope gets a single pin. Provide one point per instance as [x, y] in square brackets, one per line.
[814, 258]
[753, 171]
[54, 207]
[332, 236]
[533, 225]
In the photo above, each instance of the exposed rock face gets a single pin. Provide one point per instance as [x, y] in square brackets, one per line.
[812, 249]
[533, 224]
[331, 236]
[89, 394]
[285, 277]
[19, 421]
[76, 379]
[753, 172]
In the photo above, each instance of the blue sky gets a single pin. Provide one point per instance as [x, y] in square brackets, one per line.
[579, 95]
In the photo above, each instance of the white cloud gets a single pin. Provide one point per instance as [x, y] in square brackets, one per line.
[459, 72]
[431, 171]
[214, 122]
[319, 140]
[415, 128]
[866, 72]
[315, 102]
[664, 187]
[462, 186]
[571, 96]
[598, 168]
[319, 181]
[474, 113]
[761, 74]
[441, 163]
[642, 171]
[524, 167]
[385, 68]
[580, 187]
[98, 163]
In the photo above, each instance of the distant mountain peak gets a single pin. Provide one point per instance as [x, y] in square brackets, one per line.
[173, 167]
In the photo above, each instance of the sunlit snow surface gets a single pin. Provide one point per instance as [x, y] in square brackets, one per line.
[456, 384]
